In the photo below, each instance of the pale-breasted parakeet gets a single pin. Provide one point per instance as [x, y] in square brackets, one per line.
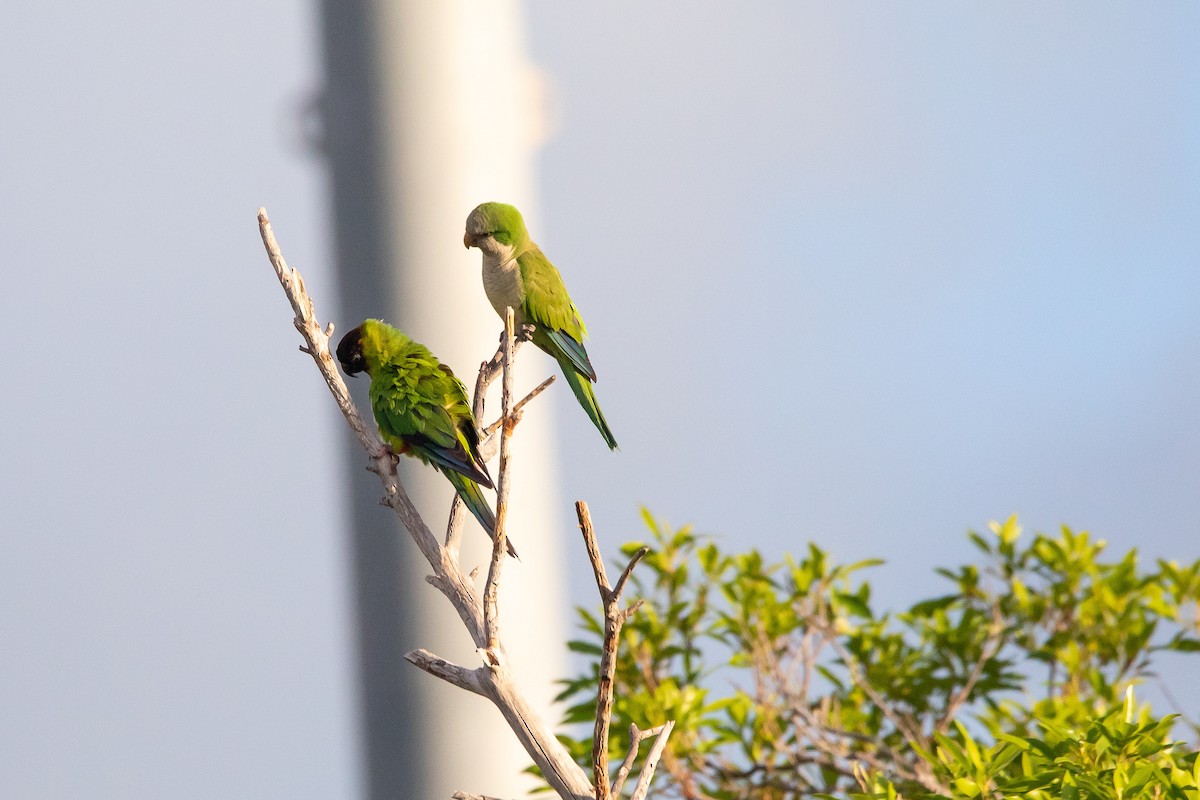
[517, 274]
[421, 408]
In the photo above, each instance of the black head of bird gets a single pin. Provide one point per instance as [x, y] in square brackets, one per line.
[350, 353]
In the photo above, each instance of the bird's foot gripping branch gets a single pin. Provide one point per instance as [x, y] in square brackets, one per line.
[456, 446]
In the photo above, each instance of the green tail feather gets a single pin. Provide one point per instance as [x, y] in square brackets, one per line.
[586, 396]
[477, 504]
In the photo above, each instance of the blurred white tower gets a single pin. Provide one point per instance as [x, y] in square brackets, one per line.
[431, 108]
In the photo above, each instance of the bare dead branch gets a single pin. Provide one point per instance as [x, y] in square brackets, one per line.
[454, 526]
[494, 680]
[487, 373]
[448, 578]
[584, 514]
[452, 673]
[635, 740]
[656, 751]
[517, 410]
[491, 611]
[633, 609]
[625, 573]
[316, 339]
[614, 618]
[608, 661]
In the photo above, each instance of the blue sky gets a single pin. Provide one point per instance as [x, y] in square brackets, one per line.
[927, 266]
[867, 275]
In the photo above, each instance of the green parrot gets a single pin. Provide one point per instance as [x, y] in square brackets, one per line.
[517, 274]
[422, 409]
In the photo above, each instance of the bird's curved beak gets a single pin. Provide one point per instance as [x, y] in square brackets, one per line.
[467, 240]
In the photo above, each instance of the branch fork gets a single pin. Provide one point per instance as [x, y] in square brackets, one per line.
[614, 618]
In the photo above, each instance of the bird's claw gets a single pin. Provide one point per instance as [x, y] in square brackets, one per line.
[384, 450]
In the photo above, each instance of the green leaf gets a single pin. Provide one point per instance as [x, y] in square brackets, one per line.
[853, 605]
[927, 607]
[1184, 644]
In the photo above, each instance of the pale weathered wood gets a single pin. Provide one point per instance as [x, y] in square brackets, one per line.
[452, 673]
[488, 371]
[447, 577]
[491, 608]
[656, 751]
[635, 740]
[494, 680]
[614, 618]
[488, 445]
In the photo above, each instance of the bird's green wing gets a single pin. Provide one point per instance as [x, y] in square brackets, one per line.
[424, 405]
[547, 305]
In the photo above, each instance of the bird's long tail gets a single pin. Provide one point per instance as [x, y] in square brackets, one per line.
[477, 504]
[586, 396]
